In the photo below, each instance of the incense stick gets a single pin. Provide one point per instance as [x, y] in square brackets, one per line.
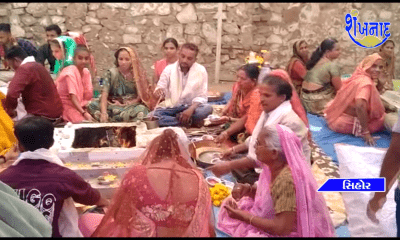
[152, 113]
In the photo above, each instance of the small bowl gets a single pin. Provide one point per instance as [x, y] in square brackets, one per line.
[151, 123]
[212, 181]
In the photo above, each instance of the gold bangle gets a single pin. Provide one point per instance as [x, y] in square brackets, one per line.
[251, 219]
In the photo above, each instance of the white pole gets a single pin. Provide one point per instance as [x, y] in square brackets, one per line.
[219, 36]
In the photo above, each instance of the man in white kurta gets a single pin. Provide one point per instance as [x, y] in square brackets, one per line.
[183, 86]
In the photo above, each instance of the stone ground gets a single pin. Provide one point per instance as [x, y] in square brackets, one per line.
[223, 86]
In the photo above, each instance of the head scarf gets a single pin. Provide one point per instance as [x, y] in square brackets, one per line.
[123, 219]
[145, 91]
[313, 219]
[80, 39]
[19, 218]
[70, 46]
[350, 86]
[296, 56]
[295, 100]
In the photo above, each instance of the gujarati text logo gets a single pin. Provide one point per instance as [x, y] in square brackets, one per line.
[371, 35]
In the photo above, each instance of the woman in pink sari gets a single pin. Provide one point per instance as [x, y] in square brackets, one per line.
[74, 85]
[285, 201]
[357, 108]
[80, 39]
[164, 196]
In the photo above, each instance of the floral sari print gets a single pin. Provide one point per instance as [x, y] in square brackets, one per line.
[313, 219]
[136, 209]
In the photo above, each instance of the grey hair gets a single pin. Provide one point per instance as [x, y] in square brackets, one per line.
[272, 139]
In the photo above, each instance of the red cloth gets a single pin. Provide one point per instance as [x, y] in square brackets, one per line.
[39, 93]
[126, 216]
[297, 72]
[159, 67]
[46, 185]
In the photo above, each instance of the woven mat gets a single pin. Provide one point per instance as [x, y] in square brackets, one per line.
[324, 168]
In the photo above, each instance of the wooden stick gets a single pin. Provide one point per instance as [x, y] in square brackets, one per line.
[152, 115]
[219, 36]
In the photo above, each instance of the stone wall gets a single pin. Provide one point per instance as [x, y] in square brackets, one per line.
[246, 26]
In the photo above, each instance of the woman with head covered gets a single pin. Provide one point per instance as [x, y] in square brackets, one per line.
[285, 201]
[357, 108]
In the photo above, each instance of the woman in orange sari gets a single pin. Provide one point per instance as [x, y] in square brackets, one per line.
[297, 64]
[245, 105]
[357, 108]
[164, 196]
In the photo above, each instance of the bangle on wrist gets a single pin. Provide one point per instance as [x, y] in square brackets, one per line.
[4, 158]
[83, 113]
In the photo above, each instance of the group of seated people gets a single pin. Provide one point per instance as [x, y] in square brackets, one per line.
[267, 111]
[162, 195]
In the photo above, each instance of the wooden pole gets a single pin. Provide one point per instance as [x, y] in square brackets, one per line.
[219, 36]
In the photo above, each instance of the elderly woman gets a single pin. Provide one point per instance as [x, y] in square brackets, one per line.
[63, 49]
[323, 77]
[281, 105]
[386, 51]
[285, 201]
[164, 196]
[357, 108]
[245, 106]
[125, 96]
[297, 64]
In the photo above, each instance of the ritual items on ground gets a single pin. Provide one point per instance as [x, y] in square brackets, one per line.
[107, 178]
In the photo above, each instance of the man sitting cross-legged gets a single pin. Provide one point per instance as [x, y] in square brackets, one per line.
[183, 85]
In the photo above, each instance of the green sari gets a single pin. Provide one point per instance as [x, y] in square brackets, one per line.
[19, 218]
[119, 90]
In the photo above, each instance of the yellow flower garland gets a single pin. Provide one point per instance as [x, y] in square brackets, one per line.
[218, 193]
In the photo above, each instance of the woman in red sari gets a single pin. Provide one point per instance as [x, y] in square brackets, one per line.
[297, 64]
[357, 108]
[245, 106]
[164, 196]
